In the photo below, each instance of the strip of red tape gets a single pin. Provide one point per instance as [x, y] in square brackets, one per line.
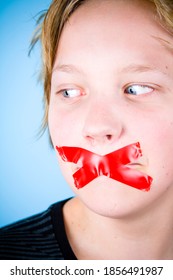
[112, 165]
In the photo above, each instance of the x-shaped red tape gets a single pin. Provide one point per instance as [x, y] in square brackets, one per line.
[112, 165]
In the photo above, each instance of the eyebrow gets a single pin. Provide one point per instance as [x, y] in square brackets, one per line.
[67, 68]
[131, 68]
[139, 68]
[135, 68]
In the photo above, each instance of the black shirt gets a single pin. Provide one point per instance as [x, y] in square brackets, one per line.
[39, 237]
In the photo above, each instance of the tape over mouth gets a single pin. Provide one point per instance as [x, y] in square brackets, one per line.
[118, 165]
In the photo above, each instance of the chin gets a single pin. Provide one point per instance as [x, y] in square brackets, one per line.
[110, 198]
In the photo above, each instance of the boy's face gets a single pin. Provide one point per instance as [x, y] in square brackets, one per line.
[112, 86]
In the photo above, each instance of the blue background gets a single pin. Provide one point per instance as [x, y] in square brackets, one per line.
[30, 179]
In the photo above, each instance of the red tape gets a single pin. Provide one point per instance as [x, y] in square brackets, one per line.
[112, 165]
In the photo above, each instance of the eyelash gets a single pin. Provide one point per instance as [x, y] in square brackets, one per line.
[65, 95]
[147, 89]
[77, 92]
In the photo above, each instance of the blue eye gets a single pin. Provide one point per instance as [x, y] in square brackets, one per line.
[138, 89]
[71, 93]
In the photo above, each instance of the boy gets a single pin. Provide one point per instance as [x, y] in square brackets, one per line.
[108, 75]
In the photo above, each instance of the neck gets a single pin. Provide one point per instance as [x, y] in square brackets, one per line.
[146, 235]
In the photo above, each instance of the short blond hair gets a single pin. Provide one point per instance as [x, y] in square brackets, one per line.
[50, 30]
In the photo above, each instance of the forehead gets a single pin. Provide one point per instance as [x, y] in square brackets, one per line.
[126, 9]
[99, 27]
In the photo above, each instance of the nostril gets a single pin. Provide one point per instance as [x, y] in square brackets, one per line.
[109, 136]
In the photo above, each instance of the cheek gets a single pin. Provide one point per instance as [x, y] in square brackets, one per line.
[66, 169]
[159, 146]
[63, 127]
[160, 139]
[154, 130]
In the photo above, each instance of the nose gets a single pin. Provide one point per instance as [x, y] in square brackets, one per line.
[102, 124]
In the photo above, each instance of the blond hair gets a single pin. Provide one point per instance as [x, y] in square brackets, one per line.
[50, 29]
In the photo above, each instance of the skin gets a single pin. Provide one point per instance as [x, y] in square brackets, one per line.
[105, 51]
